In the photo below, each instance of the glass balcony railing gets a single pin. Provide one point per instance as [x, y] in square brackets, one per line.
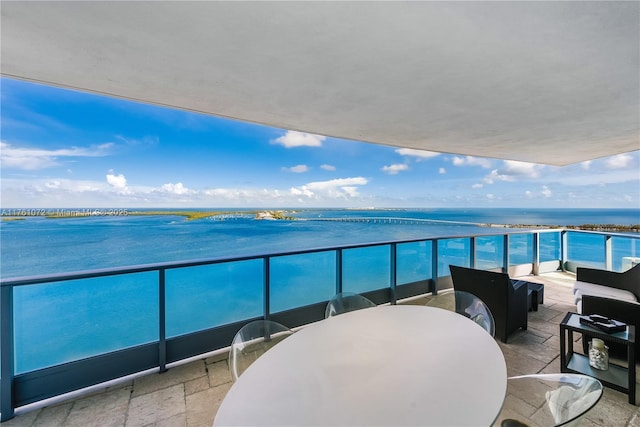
[66, 332]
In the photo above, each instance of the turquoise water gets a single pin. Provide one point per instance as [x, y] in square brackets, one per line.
[78, 319]
[41, 245]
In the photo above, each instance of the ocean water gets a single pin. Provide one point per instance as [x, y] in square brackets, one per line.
[82, 318]
[39, 245]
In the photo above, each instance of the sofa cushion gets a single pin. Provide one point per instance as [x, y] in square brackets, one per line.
[584, 288]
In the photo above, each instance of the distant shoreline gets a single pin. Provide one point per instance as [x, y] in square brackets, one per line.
[635, 228]
[189, 215]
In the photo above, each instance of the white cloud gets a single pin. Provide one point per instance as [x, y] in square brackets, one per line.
[299, 139]
[528, 194]
[471, 161]
[339, 182]
[491, 196]
[442, 171]
[512, 171]
[117, 181]
[515, 168]
[477, 186]
[416, 153]
[339, 188]
[394, 169]
[546, 192]
[297, 169]
[301, 191]
[116, 191]
[351, 191]
[496, 176]
[586, 165]
[620, 161]
[328, 167]
[176, 189]
[37, 158]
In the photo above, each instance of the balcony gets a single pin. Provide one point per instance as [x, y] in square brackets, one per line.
[181, 378]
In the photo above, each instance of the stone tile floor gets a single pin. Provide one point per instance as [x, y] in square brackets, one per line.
[190, 394]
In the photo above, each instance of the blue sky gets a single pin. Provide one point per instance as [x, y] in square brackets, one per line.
[62, 148]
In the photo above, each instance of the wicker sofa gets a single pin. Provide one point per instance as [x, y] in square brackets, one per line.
[610, 294]
[607, 284]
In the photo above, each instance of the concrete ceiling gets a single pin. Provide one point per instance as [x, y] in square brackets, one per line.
[542, 82]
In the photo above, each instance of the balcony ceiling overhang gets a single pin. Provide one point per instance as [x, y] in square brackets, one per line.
[543, 82]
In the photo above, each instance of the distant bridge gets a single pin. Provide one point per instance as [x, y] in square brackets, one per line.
[391, 220]
[232, 216]
[358, 219]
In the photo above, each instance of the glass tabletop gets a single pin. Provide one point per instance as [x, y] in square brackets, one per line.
[548, 399]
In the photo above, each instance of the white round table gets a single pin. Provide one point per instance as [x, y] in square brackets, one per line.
[391, 365]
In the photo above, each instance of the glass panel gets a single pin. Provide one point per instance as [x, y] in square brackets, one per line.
[366, 269]
[65, 321]
[489, 252]
[626, 252]
[549, 246]
[453, 252]
[299, 280]
[413, 262]
[520, 249]
[587, 249]
[206, 296]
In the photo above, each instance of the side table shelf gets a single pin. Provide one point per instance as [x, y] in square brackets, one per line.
[617, 377]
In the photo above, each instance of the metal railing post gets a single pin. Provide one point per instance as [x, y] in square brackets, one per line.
[608, 253]
[536, 254]
[472, 252]
[162, 320]
[6, 351]
[393, 271]
[505, 254]
[267, 287]
[563, 249]
[338, 271]
[434, 265]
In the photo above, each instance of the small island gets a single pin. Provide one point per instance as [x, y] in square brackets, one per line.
[274, 215]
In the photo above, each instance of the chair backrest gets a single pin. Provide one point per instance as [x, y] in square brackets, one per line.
[345, 302]
[491, 287]
[562, 398]
[467, 305]
[252, 341]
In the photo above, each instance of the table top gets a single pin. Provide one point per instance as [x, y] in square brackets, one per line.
[572, 321]
[390, 365]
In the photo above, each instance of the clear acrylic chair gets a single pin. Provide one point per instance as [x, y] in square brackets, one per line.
[559, 399]
[467, 305]
[252, 341]
[345, 302]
